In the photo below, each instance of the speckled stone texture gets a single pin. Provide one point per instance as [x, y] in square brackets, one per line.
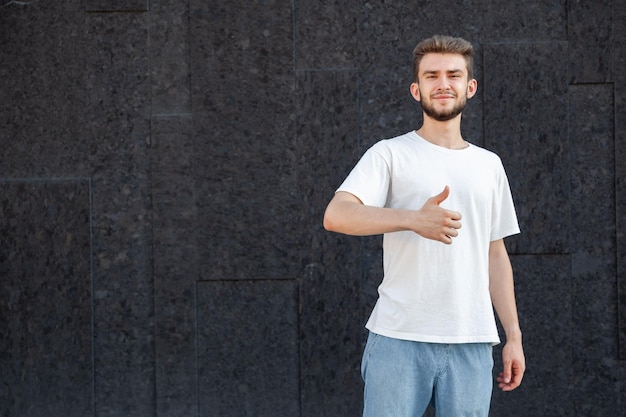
[245, 161]
[247, 354]
[75, 95]
[594, 294]
[591, 57]
[520, 81]
[175, 264]
[118, 128]
[331, 323]
[46, 311]
[620, 173]
[620, 181]
[116, 5]
[164, 170]
[545, 309]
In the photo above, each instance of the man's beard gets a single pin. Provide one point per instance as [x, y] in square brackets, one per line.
[443, 116]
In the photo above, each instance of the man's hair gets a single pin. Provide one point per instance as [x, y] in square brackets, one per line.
[444, 45]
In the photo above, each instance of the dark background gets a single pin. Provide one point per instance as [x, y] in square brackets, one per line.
[164, 167]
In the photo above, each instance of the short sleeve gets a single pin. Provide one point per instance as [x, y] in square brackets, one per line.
[504, 220]
[369, 180]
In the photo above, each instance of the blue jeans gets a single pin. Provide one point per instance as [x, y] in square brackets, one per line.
[403, 377]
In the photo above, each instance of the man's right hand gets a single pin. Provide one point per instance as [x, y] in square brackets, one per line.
[439, 223]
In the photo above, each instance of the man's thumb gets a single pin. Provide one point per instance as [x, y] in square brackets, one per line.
[506, 372]
[439, 198]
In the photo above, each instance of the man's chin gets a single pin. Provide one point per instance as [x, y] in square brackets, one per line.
[442, 115]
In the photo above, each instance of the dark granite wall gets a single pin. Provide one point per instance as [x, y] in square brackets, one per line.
[165, 164]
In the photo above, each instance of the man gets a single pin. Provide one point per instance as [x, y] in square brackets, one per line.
[444, 207]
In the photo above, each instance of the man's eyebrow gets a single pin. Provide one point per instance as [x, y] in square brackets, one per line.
[452, 71]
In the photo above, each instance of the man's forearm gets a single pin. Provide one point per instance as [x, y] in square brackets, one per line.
[502, 289]
[349, 216]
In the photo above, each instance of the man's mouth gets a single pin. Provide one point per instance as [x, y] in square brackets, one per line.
[443, 96]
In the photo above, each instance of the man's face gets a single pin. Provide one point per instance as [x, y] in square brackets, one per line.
[443, 86]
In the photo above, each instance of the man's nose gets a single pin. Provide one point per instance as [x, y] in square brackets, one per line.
[444, 83]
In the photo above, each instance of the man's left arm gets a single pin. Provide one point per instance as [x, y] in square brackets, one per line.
[502, 290]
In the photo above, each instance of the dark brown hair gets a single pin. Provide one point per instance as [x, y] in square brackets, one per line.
[444, 45]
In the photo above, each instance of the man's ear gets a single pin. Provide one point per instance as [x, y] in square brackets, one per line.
[472, 87]
[415, 92]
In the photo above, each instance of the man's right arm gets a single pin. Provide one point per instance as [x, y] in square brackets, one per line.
[347, 214]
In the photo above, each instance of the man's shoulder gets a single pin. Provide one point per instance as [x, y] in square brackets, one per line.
[485, 153]
[406, 139]
[392, 140]
[392, 145]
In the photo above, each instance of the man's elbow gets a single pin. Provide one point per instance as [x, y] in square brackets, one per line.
[335, 217]
[339, 214]
[330, 223]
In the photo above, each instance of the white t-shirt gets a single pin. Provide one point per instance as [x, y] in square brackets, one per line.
[433, 292]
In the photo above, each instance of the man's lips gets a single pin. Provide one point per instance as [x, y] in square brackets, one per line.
[443, 96]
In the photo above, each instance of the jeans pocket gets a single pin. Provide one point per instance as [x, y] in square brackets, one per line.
[372, 340]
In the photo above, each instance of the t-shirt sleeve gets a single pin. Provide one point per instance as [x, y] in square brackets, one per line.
[369, 180]
[504, 221]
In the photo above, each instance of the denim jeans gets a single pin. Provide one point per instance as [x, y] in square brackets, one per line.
[403, 377]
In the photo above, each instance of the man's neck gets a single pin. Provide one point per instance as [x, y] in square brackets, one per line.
[445, 134]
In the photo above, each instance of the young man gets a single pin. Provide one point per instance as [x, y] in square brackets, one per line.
[444, 207]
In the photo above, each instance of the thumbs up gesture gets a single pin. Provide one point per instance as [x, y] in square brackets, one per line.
[438, 223]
